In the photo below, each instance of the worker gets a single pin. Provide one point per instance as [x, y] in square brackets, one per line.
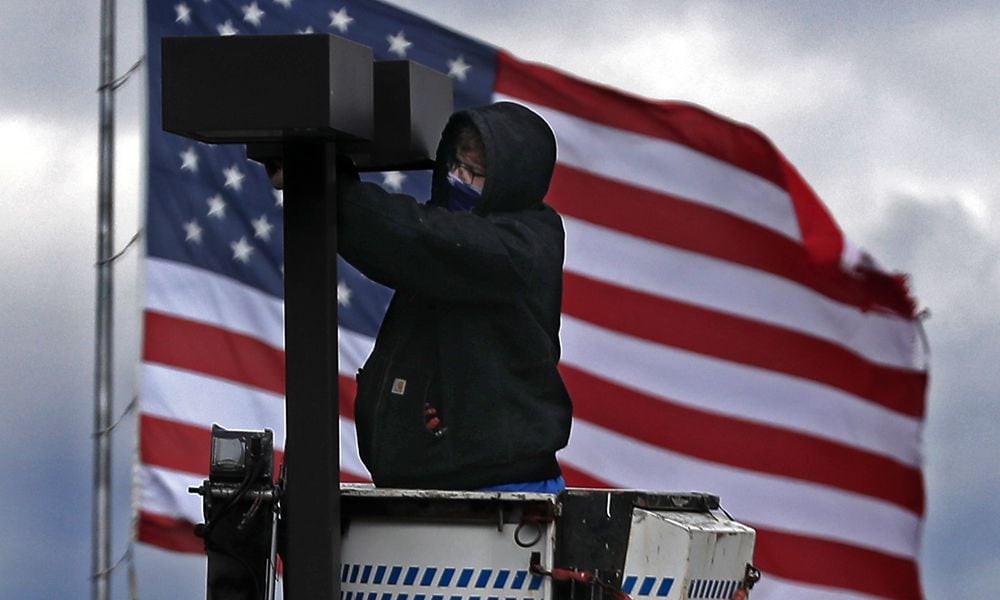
[461, 391]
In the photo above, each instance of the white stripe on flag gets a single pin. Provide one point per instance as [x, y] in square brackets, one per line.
[201, 295]
[668, 168]
[740, 391]
[164, 492]
[198, 295]
[202, 400]
[778, 503]
[350, 460]
[639, 264]
[771, 587]
[354, 349]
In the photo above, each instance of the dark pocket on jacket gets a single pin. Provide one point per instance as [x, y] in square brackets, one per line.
[408, 437]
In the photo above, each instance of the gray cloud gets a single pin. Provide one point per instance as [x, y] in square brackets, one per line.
[955, 267]
[44, 43]
[47, 323]
[953, 256]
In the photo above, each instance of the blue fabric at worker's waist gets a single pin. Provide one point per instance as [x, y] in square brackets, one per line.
[547, 486]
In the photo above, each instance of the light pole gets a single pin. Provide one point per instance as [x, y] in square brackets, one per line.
[307, 98]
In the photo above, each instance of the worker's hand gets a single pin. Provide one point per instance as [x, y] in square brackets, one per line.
[275, 172]
[346, 169]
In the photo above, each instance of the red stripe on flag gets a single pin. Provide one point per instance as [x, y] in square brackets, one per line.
[575, 477]
[179, 446]
[169, 534]
[725, 440]
[833, 564]
[689, 125]
[674, 221]
[742, 341]
[820, 233]
[678, 122]
[347, 477]
[347, 389]
[213, 351]
[683, 224]
[175, 446]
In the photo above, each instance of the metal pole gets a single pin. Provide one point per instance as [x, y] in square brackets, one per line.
[101, 549]
[311, 504]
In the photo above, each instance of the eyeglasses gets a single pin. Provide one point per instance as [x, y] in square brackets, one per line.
[466, 172]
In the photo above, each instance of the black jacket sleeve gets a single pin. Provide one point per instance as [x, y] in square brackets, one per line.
[405, 245]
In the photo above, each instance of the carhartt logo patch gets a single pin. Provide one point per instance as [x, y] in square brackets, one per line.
[399, 386]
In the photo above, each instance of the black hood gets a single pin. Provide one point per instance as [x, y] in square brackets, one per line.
[520, 155]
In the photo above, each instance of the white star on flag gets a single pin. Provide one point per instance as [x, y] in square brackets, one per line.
[398, 44]
[279, 198]
[234, 178]
[241, 250]
[193, 231]
[227, 28]
[393, 180]
[457, 68]
[307, 30]
[183, 13]
[285, 3]
[343, 294]
[339, 19]
[253, 14]
[217, 207]
[189, 160]
[262, 228]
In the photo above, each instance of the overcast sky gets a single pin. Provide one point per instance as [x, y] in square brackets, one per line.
[891, 110]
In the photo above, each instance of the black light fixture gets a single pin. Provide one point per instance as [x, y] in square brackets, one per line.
[267, 91]
[241, 455]
[234, 90]
[240, 504]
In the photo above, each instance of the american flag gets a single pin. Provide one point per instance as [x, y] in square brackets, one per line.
[719, 332]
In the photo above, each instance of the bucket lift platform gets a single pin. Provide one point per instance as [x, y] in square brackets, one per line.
[581, 544]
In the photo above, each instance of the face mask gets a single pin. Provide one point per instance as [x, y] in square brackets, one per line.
[462, 197]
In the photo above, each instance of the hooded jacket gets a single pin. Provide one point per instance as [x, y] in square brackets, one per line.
[472, 332]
